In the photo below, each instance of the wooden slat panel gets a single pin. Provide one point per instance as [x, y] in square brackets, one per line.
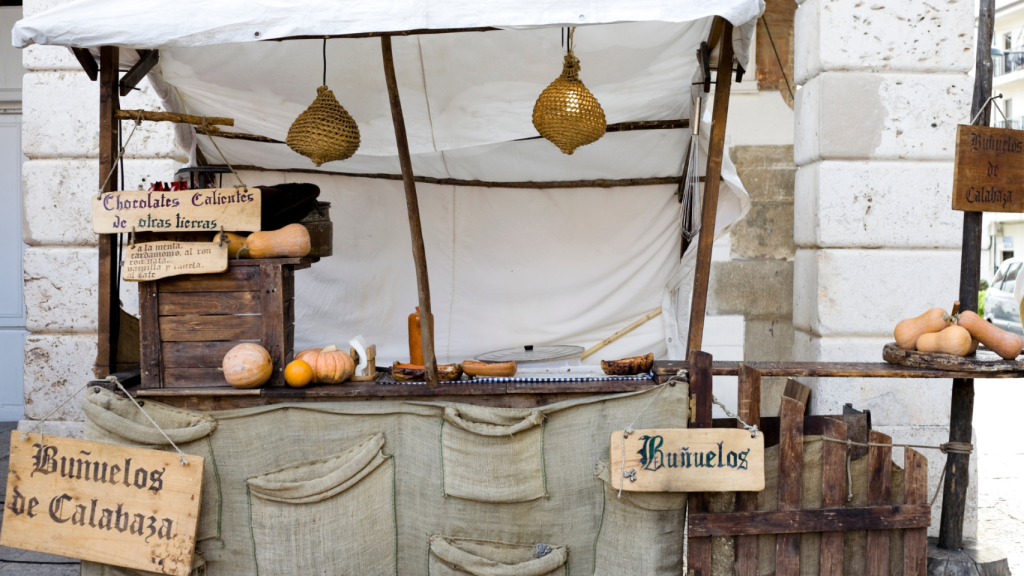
[790, 523]
[289, 344]
[199, 303]
[209, 328]
[195, 354]
[272, 330]
[791, 460]
[149, 335]
[289, 312]
[797, 391]
[193, 377]
[288, 284]
[915, 540]
[833, 494]
[700, 388]
[749, 410]
[879, 493]
[242, 279]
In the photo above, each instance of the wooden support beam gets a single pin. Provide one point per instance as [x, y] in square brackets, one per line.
[749, 410]
[174, 117]
[415, 32]
[109, 311]
[961, 413]
[709, 210]
[700, 394]
[88, 63]
[796, 521]
[419, 253]
[147, 60]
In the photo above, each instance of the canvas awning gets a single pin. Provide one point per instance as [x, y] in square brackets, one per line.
[467, 99]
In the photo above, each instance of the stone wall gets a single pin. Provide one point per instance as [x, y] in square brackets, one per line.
[61, 140]
[883, 86]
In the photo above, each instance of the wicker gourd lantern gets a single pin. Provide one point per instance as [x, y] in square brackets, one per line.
[324, 132]
[566, 113]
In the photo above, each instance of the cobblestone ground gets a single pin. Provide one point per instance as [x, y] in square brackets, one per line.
[1001, 474]
[1000, 432]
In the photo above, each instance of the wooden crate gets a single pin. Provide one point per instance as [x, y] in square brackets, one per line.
[188, 323]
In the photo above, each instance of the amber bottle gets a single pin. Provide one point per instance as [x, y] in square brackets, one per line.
[416, 338]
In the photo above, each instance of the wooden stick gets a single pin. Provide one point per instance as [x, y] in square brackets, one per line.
[147, 60]
[539, 185]
[174, 117]
[643, 319]
[419, 253]
[415, 32]
[961, 414]
[749, 410]
[633, 126]
[700, 391]
[88, 63]
[213, 131]
[109, 310]
[713, 174]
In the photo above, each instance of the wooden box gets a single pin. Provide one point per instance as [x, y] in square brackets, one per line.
[188, 323]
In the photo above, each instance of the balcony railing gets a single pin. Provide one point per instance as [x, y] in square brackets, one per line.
[1007, 62]
[1014, 123]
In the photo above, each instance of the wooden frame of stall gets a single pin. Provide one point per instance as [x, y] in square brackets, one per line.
[698, 368]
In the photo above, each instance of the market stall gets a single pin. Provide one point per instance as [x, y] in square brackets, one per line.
[528, 246]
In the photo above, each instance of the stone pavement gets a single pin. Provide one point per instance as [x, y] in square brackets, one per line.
[1000, 470]
[1000, 431]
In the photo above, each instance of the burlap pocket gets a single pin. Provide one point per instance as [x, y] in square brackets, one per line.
[330, 516]
[641, 532]
[462, 557]
[492, 454]
[116, 420]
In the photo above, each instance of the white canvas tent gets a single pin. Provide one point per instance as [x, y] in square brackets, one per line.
[508, 266]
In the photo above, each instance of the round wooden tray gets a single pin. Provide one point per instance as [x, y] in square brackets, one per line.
[983, 360]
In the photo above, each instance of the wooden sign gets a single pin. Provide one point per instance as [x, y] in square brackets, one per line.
[233, 209]
[147, 261]
[989, 172]
[694, 460]
[103, 503]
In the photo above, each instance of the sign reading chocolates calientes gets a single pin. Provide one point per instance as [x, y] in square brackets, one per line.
[105, 503]
[232, 209]
[687, 460]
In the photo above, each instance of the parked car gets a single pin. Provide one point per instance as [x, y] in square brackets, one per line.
[1001, 308]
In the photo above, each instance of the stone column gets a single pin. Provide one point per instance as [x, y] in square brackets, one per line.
[882, 87]
[60, 137]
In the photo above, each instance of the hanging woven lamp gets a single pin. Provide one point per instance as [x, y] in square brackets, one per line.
[324, 132]
[566, 113]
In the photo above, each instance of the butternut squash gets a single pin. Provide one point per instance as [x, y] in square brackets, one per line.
[1007, 344]
[954, 340]
[908, 331]
[292, 241]
[235, 243]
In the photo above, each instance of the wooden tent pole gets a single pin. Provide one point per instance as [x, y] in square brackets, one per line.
[713, 178]
[961, 413]
[108, 315]
[419, 254]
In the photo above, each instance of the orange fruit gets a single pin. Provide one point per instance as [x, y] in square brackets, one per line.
[298, 373]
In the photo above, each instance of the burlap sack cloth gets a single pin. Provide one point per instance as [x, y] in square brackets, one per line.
[460, 556]
[252, 445]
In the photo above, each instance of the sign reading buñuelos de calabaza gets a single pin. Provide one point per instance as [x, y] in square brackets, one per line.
[988, 175]
[688, 460]
[104, 503]
[232, 209]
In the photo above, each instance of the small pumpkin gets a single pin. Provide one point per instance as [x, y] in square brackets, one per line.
[1007, 344]
[298, 373]
[247, 365]
[330, 365]
[292, 241]
[954, 340]
[908, 331]
[235, 243]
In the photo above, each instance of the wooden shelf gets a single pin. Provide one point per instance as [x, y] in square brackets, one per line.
[667, 368]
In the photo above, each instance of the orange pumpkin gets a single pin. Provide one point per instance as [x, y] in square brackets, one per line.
[330, 365]
[247, 365]
[298, 373]
[292, 241]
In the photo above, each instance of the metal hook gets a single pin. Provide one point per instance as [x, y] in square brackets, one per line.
[223, 237]
[131, 238]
